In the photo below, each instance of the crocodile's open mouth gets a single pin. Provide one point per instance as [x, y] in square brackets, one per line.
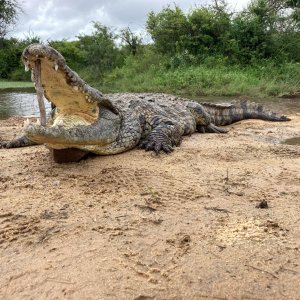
[77, 105]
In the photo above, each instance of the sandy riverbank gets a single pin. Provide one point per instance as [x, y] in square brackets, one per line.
[140, 226]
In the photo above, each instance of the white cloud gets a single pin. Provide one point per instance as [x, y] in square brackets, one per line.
[58, 19]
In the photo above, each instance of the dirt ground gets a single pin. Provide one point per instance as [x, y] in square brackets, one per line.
[140, 226]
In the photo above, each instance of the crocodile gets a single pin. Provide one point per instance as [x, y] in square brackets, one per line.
[84, 120]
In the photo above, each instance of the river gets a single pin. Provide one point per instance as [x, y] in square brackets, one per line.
[20, 102]
[23, 102]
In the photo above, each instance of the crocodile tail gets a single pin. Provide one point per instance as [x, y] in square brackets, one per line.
[225, 114]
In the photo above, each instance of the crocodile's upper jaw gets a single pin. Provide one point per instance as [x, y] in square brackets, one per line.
[76, 102]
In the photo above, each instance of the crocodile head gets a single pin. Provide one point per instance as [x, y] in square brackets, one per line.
[82, 119]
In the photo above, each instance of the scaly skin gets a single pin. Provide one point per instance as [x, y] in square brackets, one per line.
[84, 120]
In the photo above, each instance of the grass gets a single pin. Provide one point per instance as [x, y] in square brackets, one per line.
[15, 85]
[150, 72]
[207, 79]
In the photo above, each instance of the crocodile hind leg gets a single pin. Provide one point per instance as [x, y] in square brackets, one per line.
[203, 119]
[163, 137]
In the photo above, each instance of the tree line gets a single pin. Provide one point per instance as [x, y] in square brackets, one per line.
[267, 30]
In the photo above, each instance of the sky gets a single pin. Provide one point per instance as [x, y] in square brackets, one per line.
[66, 19]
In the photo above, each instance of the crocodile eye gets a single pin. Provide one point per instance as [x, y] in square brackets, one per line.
[94, 110]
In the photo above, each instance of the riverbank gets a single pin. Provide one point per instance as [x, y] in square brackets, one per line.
[140, 226]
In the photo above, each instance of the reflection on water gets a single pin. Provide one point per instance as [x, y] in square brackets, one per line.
[19, 103]
[24, 103]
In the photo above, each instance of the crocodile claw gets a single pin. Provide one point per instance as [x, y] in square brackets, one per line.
[7, 145]
[211, 128]
[156, 146]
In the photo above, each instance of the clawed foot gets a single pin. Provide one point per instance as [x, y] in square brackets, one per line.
[156, 146]
[4, 145]
[17, 143]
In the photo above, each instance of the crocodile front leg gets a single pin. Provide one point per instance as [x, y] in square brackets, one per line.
[164, 135]
[22, 141]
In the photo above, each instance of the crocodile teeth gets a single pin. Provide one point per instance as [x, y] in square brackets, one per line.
[26, 67]
[26, 122]
[89, 99]
[32, 77]
[75, 88]
[60, 123]
[55, 66]
[38, 121]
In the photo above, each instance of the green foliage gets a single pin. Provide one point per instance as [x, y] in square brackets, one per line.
[99, 52]
[169, 29]
[209, 31]
[247, 37]
[10, 58]
[183, 59]
[135, 71]
[212, 78]
[132, 41]
[71, 51]
[9, 10]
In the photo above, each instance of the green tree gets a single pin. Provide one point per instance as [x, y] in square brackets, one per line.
[11, 66]
[169, 29]
[71, 51]
[9, 10]
[263, 30]
[210, 27]
[99, 51]
[131, 40]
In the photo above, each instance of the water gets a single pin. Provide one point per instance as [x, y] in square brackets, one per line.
[19, 103]
[23, 102]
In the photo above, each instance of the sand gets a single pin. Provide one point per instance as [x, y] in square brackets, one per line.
[141, 226]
